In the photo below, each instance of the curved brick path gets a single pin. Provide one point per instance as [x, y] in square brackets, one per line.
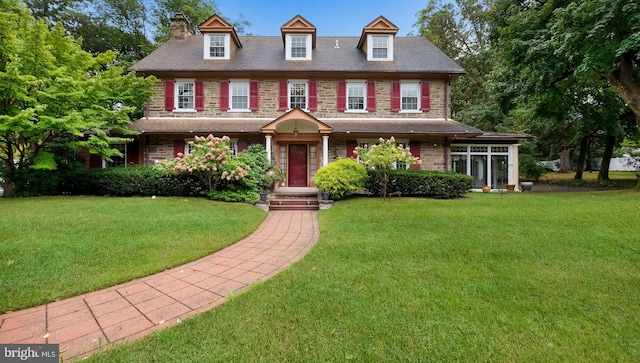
[132, 310]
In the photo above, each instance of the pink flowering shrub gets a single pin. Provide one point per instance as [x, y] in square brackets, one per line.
[212, 160]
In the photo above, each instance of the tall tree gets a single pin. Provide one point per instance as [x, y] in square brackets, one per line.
[53, 93]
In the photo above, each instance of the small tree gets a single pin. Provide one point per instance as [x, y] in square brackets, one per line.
[383, 157]
[211, 159]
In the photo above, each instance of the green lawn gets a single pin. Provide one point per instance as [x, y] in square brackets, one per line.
[532, 277]
[56, 247]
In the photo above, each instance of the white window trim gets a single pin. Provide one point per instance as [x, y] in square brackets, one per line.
[306, 92]
[364, 85]
[239, 81]
[489, 153]
[403, 84]
[288, 43]
[227, 46]
[105, 163]
[176, 96]
[370, 48]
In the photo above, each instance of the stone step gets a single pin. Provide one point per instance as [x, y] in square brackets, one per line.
[294, 203]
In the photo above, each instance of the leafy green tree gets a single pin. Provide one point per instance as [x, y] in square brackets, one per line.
[384, 157]
[53, 93]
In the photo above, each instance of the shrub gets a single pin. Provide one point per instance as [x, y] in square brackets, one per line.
[431, 184]
[341, 178]
[132, 181]
[529, 168]
[246, 189]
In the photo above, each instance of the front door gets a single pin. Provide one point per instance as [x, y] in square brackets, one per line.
[298, 165]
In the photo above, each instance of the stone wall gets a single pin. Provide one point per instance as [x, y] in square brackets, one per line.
[268, 102]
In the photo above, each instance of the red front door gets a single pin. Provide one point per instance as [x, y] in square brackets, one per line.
[297, 165]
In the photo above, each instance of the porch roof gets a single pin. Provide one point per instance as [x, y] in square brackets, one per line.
[354, 126]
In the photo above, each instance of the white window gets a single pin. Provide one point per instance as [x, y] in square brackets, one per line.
[380, 47]
[410, 96]
[298, 47]
[298, 94]
[115, 159]
[239, 95]
[185, 95]
[217, 46]
[356, 96]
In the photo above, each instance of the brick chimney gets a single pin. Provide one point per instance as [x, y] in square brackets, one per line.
[180, 27]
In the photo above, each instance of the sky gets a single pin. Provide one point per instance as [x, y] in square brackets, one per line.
[330, 17]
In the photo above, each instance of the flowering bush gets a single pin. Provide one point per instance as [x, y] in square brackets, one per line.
[211, 159]
[383, 157]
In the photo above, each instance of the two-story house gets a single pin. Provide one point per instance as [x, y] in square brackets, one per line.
[312, 99]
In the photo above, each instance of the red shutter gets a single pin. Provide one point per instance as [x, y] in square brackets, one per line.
[199, 95]
[224, 95]
[341, 102]
[242, 145]
[254, 95]
[169, 95]
[178, 147]
[283, 95]
[351, 144]
[371, 95]
[395, 96]
[425, 96]
[313, 95]
[414, 148]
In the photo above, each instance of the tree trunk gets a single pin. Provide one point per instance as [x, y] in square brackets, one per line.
[584, 147]
[606, 158]
[626, 83]
[565, 163]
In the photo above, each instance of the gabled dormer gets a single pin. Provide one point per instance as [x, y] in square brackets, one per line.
[220, 38]
[299, 37]
[377, 39]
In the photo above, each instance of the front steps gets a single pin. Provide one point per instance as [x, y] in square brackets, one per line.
[289, 198]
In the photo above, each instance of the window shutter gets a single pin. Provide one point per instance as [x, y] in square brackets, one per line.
[395, 96]
[199, 102]
[313, 95]
[342, 96]
[224, 95]
[371, 95]
[351, 145]
[178, 147]
[254, 95]
[283, 95]
[242, 145]
[425, 96]
[414, 148]
[169, 95]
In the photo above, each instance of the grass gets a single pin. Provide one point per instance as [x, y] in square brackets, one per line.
[58, 247]
[618, 180]
[532, 277]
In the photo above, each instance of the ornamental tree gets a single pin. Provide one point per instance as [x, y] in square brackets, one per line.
[53, 94]
[211, 159]
[384, 157]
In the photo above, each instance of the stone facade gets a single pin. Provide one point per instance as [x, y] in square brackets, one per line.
[327, 102]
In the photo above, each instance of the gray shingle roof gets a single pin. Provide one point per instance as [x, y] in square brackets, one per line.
[379, 127]
[266, 54]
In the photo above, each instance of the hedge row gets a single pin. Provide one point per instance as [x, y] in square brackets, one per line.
[431, 184]
[132, 181]
[123, 182]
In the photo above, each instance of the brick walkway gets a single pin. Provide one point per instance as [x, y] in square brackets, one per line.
[85, 323]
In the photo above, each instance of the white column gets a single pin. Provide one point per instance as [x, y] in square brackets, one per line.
[325, 150]
[268, 146]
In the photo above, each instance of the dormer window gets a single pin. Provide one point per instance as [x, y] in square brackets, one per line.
[377, 40]
[298, 46]
[216, 46]
[380, 47]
